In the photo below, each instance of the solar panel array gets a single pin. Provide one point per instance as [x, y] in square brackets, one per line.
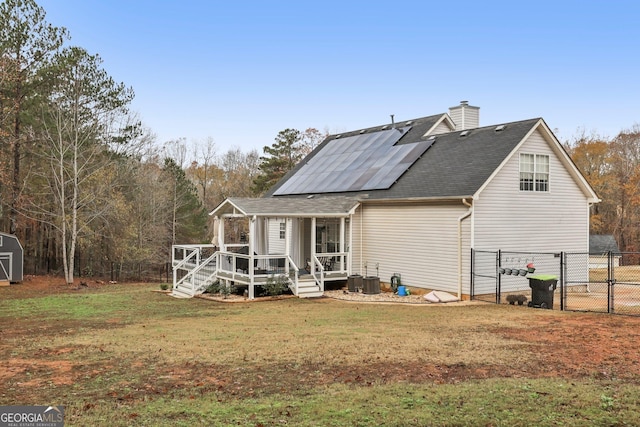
[369, 161]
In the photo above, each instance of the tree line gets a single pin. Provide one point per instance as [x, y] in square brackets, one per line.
[82, 178]
[612, 166]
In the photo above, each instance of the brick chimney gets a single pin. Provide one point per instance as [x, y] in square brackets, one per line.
[465, 116]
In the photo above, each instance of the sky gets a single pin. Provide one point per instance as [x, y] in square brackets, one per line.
[240, 71]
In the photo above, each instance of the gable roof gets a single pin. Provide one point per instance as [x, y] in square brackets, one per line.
[456, 165]
[601, 243]
[306, 207]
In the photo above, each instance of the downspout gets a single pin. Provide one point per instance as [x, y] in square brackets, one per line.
[361, 238]
[252, 247]
[460, 219]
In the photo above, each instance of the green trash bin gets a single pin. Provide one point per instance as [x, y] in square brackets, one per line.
[542, 288]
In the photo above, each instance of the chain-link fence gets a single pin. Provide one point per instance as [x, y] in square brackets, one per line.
[502, 276]
[485, 285]
[107, 270]
[607, 283]
[586, 284]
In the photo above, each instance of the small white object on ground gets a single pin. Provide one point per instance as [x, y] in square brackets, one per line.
[439, 296]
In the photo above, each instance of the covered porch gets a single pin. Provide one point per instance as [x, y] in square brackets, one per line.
[305, 241]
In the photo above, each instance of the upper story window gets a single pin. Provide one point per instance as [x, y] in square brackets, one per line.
[534, 172]
[283, 230]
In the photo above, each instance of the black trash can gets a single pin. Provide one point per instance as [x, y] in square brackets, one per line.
[354, 282]
[542, 288]
[371, 285]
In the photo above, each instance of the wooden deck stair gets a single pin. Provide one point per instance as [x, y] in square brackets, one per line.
[185, 290]
[308, 288]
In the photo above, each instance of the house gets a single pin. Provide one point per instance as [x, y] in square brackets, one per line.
[11, 258]
[600, 245]
[408, 198]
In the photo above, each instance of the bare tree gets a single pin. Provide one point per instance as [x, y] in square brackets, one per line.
[311, 138]
[83, 105]
[202, 170]
[176, 149]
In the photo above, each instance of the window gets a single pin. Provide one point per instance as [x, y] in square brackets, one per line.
[283, 230]
[534, 172]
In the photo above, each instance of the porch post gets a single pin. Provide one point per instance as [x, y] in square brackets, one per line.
[350, 246]
[221, 242]
[342, 243]
[287, 243]
[252, 239]
[313, 240]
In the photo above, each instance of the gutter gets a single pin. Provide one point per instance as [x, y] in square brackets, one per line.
[460, 219]
[435, 199]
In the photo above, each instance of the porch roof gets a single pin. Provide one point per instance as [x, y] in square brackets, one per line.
[338, 206]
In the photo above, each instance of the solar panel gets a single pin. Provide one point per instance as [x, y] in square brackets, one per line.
[369, 161]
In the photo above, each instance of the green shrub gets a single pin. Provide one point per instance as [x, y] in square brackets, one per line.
[276, 285]
[213, 288]
[164, 286]
[220, 288]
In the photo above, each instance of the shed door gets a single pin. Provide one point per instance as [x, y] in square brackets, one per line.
[5, 266]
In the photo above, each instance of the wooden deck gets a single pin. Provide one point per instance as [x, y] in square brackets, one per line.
[188, 284]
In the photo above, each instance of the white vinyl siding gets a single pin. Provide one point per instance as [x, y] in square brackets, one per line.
[465, 117]
[547, 221]
[276, 244]
[543, 222]
[419, 241]
[441, 128]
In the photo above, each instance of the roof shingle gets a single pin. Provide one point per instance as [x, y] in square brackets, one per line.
[454, 166]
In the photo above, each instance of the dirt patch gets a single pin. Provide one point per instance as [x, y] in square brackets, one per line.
[583, 345]
[37, 371]
[34, 286]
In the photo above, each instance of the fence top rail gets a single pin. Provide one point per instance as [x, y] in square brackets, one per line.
[555, 254]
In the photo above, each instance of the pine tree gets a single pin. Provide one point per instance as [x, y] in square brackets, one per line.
[188, 216]
[279, 159]
[27, 43]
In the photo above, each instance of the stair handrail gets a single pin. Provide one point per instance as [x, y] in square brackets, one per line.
[180, 265]
[315, 262]
[191, 274]
[296, 275]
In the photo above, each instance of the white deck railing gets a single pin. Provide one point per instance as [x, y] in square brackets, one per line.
[236, 267]
[197, 264]
[194, 266]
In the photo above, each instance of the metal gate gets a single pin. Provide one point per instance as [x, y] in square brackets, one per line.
[613, 284]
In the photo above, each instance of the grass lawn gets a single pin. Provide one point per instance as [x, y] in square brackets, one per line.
[119, 355]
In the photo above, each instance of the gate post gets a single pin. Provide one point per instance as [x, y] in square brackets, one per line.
[563, 266]
[610, 283]
[498, 281]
